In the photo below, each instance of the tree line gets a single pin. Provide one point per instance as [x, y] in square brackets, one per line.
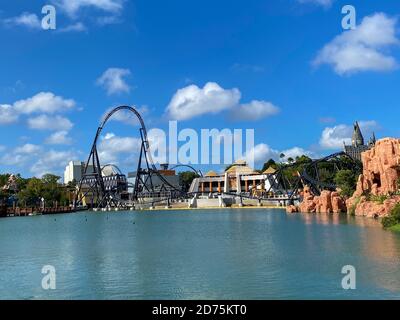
[28, 192]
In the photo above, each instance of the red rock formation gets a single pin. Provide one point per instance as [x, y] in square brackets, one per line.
[308, 204]
[380, 177]
[381, 173]
[323, 202]
[381, 168]
[338, 203]
[327, 202]
[372, 209]
[291, 209]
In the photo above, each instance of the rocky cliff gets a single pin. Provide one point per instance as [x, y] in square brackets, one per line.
[377, 186]
[327, 202]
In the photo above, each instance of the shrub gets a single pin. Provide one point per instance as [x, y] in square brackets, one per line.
[380, 199]
[393, 218]
[352, 209]
[346, 180]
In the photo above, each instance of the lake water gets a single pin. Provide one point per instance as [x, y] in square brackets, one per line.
[199, 254]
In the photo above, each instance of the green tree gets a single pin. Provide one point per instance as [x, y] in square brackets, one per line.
[303, 160]
[3, 195]
[269, 163]
[393, 219]
[53, 191]
[186, 178]
[31, 194]
[21, 182]
[4, 179]
[346, 180]
[298, 165]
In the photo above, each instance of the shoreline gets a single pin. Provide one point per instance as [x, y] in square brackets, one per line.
[145, 209]
[395, 229]
[210, 208]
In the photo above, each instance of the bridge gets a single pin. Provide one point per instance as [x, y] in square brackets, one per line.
[112, 191]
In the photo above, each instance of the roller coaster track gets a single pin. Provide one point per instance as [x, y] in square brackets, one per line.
[145, 141]
[315, 183]
[289, 191]
[98, 187]
[279, 182]
[198, 172]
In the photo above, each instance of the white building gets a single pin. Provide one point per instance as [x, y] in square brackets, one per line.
[75, 171]
[239, 179]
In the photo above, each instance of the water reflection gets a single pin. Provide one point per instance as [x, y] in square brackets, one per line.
[210, 254]
[375, 244]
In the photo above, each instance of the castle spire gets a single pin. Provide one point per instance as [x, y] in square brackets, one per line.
[372, 141]
[357, 139]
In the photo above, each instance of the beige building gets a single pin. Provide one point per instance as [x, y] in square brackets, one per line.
[238, 179]
[74, 171]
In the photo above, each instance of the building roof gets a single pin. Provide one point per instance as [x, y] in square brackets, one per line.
[240, 162]
[270, 170]
[211, 174]
[240, 167]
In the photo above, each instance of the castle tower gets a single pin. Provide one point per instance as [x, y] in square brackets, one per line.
[372, 141]
[358, 144]
[357, 139]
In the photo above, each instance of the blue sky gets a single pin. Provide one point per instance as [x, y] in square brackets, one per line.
[285, 68]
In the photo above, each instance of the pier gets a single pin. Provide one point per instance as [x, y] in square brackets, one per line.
[29, 211]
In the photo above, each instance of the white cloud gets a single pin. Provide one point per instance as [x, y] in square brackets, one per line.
[103, 21]
[112, 146]
[52, 161]
[38, 160]
[45, 122]
[297, 152]
[254, 110]
[193, 101]
[128, 117]
[7, 114]
[28, 149]
[333, 137]
[362, 49]
[46, 102]
[71, 7]
[262, 152]
[76, 27]
[21, 155]
[59, 137]
[113, 80]
[14, 159]
[26, 19]
[324, 3]
[43, 102]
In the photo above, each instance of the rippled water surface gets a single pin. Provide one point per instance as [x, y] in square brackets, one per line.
[200, 254]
